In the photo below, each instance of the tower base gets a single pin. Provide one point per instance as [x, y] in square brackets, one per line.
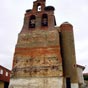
[49, 82]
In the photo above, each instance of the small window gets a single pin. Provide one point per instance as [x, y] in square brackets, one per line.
[44, 20]
[32, 21]
[1, 71]
[39, 7]
[7, 73]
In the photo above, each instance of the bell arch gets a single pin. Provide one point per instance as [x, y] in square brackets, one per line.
[44, 21]
[32, 21]
[39, 7]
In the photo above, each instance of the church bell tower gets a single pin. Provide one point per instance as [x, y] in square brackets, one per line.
[39, 17]
[37, 61]
[44, 55]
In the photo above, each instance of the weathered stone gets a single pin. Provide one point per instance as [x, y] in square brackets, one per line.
[37, 82]
[35, 56]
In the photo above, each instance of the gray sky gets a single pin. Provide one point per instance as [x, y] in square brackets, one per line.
[11, 21]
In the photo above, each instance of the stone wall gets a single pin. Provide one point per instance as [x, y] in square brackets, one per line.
[53, 82]
[37, 54]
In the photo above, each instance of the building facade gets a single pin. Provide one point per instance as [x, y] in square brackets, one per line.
[4, 77]
[85, 75]
[80, 70]
[45, 54]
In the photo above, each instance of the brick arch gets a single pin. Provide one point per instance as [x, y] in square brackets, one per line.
[39, 7]
[32, 21]
[44, 20]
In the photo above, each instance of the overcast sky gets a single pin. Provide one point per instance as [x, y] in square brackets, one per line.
[11, 21]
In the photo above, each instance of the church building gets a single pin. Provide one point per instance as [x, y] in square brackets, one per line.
[44, 55]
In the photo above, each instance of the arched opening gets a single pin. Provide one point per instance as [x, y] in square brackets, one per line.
[32, 21]
[44, 20]
[39, 7]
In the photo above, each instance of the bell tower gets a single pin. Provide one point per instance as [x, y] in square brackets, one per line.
[39, 17]
[44, 55]
[37, 61]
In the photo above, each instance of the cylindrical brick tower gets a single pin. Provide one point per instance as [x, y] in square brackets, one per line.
[68, 55]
